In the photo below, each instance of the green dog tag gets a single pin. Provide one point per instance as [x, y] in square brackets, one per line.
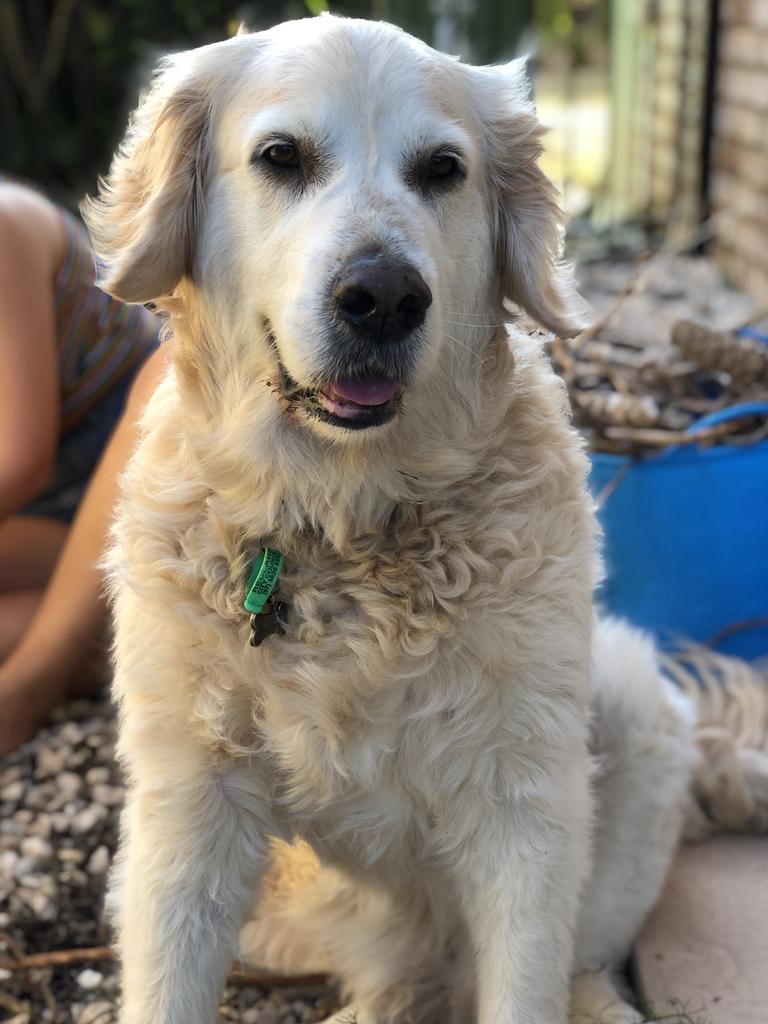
[263, 580]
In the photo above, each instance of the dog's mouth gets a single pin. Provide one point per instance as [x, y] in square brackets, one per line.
[351, 403]
[359, 401]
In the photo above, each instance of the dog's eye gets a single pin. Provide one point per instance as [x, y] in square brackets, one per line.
[442, 166]
[435, 172]
[282, 154]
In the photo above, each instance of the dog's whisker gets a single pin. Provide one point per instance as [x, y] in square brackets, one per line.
[467, 313]
[475, 326]
[458, 341]
[470, 317]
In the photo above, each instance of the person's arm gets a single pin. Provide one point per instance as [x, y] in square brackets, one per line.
[29, 384]
[70, 618]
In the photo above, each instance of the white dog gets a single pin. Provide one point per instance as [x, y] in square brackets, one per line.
[336, 217]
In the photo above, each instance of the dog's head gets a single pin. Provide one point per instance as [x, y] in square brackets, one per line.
[347, 206]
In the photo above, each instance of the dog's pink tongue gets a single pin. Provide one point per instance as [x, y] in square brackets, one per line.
[363, 390]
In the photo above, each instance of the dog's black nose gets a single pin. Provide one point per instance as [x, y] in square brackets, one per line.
[380, 297]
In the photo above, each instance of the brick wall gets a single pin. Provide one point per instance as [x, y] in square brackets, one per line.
[739, 171]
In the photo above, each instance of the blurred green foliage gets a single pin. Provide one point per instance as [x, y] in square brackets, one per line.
[71, 70]
[577, 28]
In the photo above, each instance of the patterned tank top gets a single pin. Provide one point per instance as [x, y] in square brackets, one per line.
[99, 339]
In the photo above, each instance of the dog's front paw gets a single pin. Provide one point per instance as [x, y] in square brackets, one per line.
[347, 1015]
[617, 1013]
[595, 999]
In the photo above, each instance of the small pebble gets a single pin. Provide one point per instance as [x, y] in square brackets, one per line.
[69, 784]
[45, 883]
[11, 774]
[50, 761]
[40, 903]
[89, 979]
[8, 862]
[36, 848]
[74, 878]
[59, 823]
[12, 792]
[98, 862]
[71, 733]
[40, 797]
[78, 757]
[70, 855]
[97, 1013]
[109, 796]
[86, 820]
[41, 825]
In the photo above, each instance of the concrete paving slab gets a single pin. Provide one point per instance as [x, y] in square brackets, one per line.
[704, 950]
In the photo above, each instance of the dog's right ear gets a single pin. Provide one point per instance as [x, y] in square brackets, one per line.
[144, 221]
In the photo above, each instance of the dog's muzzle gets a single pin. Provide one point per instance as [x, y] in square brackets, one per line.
[377, 305]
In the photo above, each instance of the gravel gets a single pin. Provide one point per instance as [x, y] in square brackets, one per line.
[60, 798]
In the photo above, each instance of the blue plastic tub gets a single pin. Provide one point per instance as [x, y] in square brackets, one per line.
[686, 539]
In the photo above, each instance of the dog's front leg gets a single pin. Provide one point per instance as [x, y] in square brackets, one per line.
[520, 871]
[192, 855]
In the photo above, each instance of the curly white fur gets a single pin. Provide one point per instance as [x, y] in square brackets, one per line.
[423, 725]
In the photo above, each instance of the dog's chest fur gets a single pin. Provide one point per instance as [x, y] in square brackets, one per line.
[401, 665]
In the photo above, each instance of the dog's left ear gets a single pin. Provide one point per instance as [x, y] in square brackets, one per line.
[527, 221]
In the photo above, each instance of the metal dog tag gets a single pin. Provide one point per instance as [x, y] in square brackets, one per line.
[269, 622]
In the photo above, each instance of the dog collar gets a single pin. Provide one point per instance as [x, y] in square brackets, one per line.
[266, 612]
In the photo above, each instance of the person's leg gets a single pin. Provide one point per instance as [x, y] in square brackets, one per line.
[29, 548]
[17, 609]
[71, 616]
